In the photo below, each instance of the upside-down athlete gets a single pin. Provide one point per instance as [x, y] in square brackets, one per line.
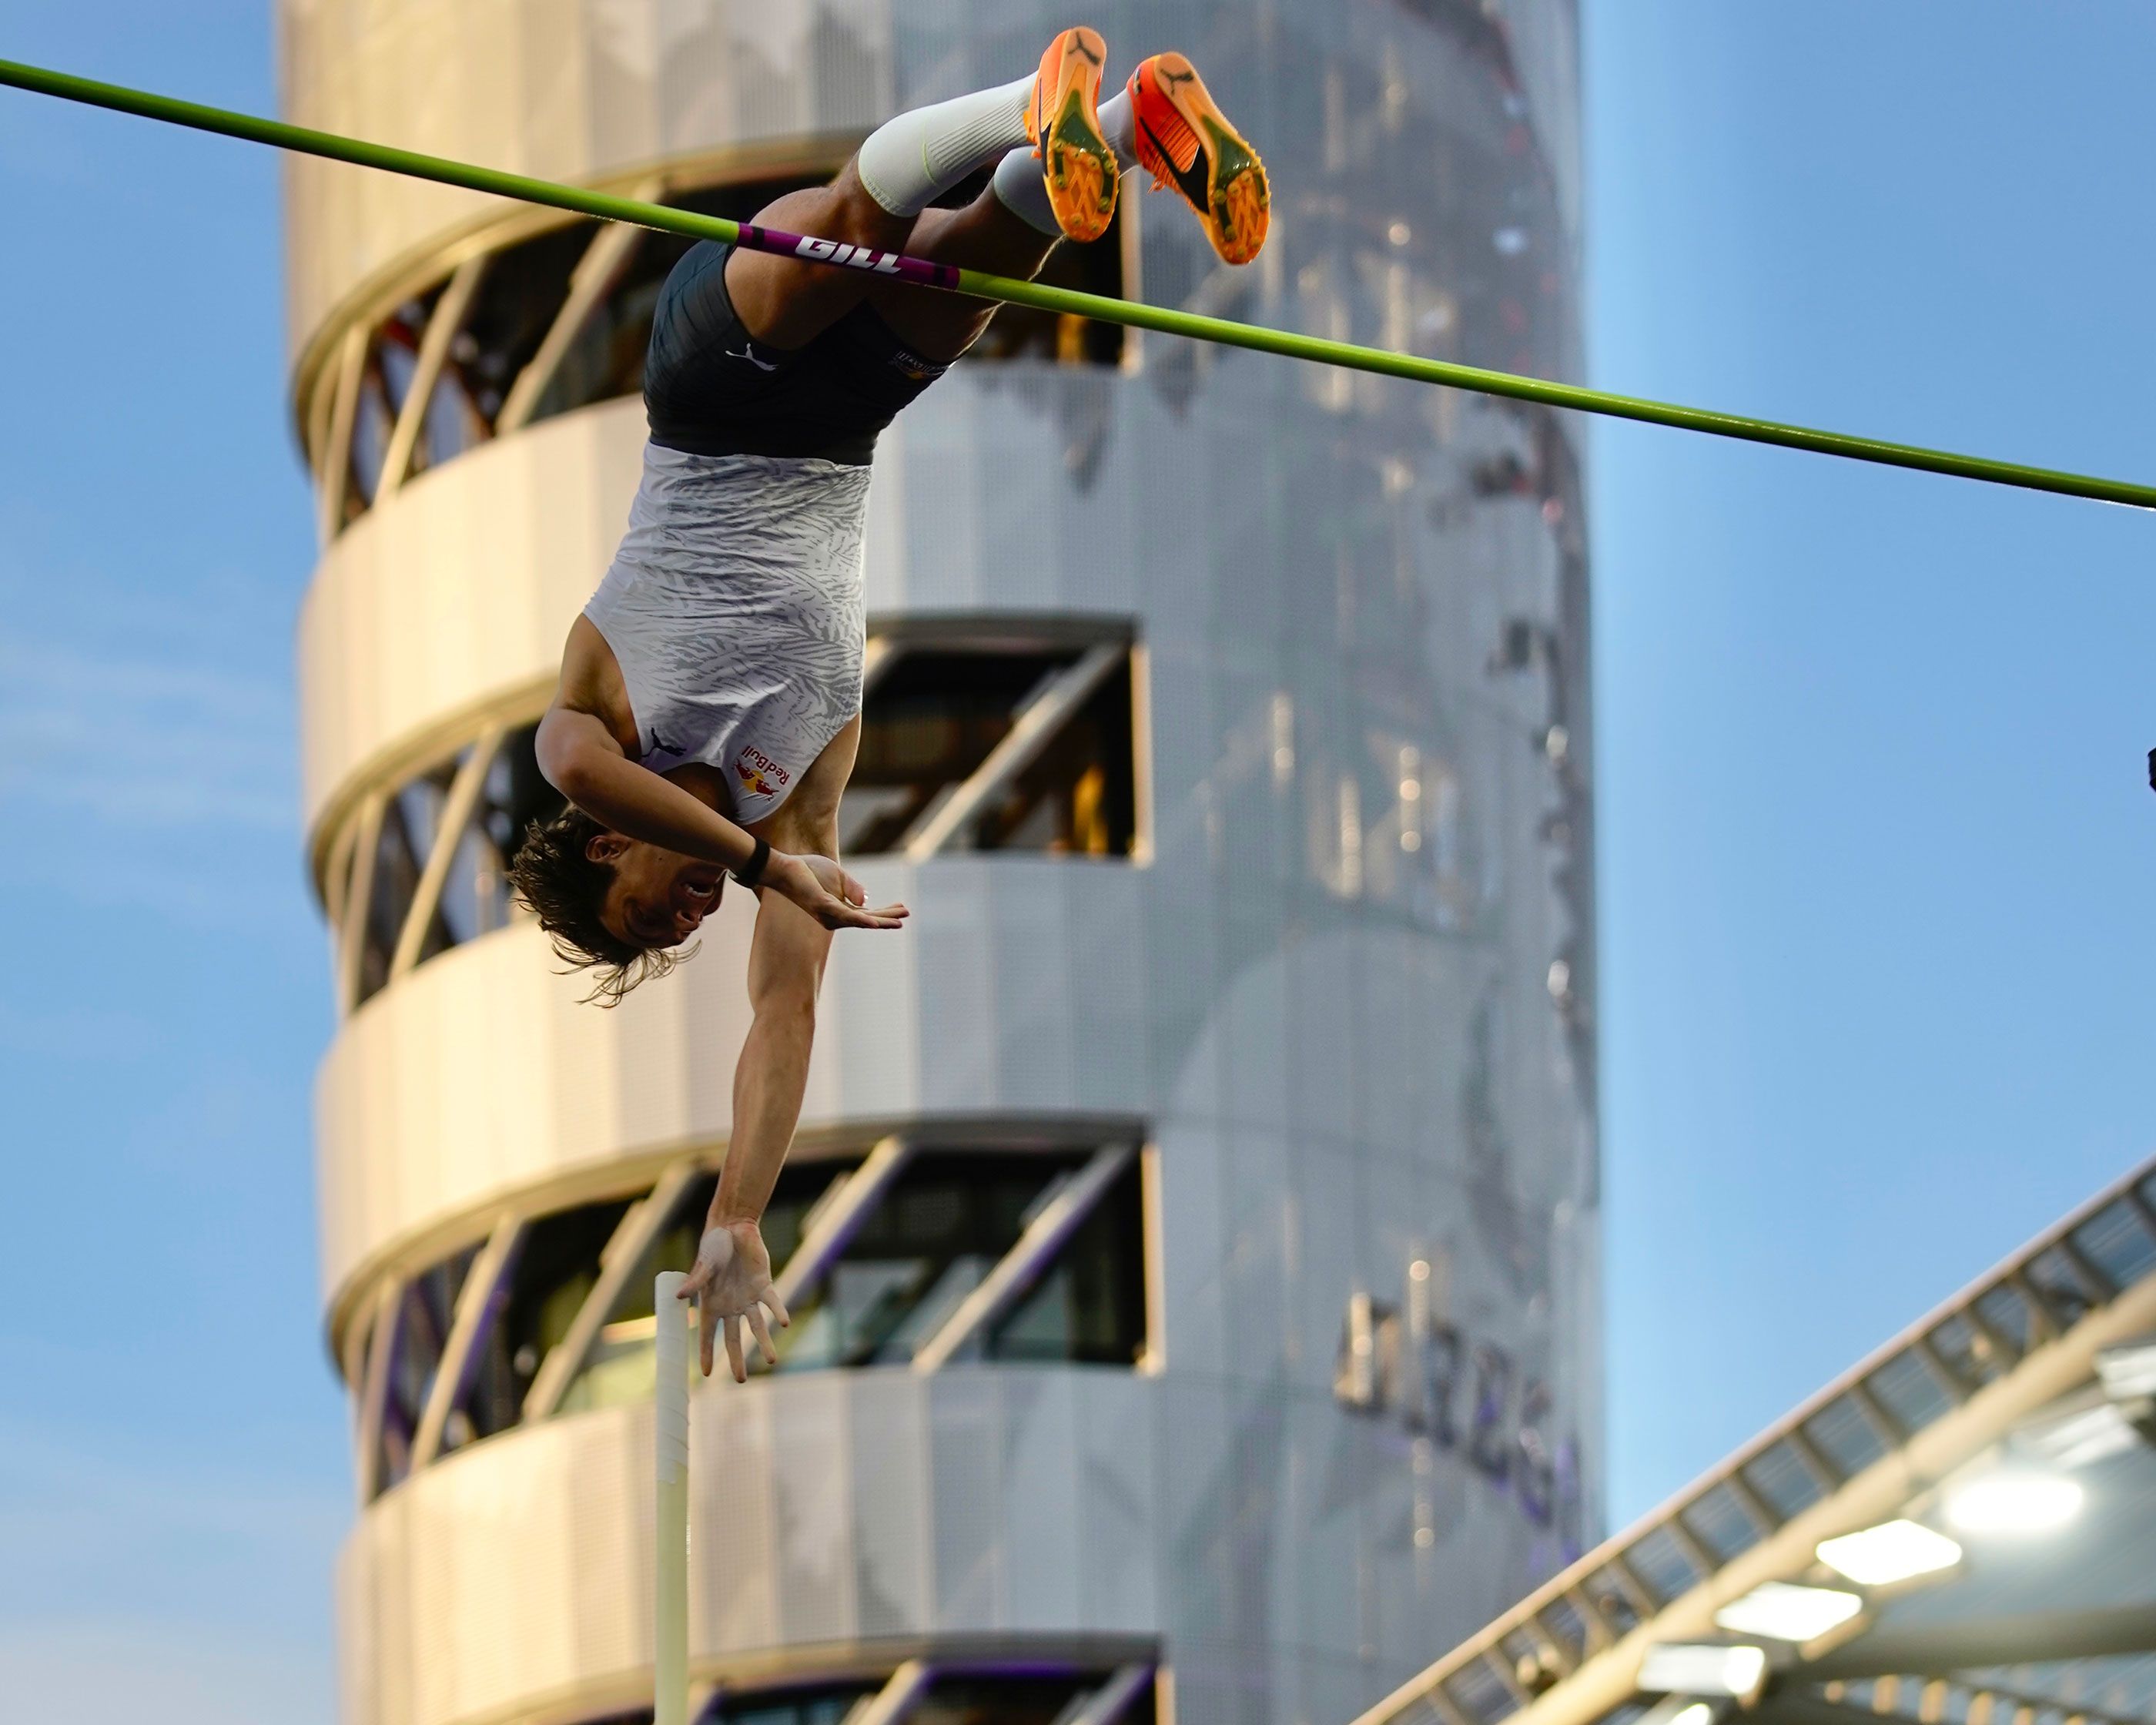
[709, 705]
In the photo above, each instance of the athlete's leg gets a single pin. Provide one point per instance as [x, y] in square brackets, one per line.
[910, 162]
[785, 971]
[986, 235]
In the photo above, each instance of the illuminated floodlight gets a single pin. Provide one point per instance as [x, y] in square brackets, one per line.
[2080, 1438]
[1891, 1552]
[2129, 1372]
[1693, 1668]
[2013, 1501]
[1788, 1612]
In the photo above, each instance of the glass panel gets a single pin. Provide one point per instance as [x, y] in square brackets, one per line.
[945, 1222]
[511, 313]
[621, 1364]
[517, 793]
[398, 861]
[2006, 1312]
[2060, 1289]
[1658, 1560]
[453, 423]
[1967, 1350]
[1008, 1700]
[475, 898]
[930, 722]
[1841, 1430]
[1090, 1304]
[1719, 1522]
[1911, 1390]
[1478, 1694]
[555, 1269]
[373, 421]
[1563, 1619]
[491, 1397]
[1615, 1603]
[1080, 796]
[934, 718]
[2117, 1242]
[424, 1311]
[1782, 1480]
[824, 1706]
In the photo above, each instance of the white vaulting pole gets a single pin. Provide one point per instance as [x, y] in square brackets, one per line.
[670, 1614]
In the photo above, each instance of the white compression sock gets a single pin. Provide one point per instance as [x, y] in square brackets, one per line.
[908, 161]
[1025, 193]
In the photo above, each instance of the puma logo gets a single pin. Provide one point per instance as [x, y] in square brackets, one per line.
[748, 353]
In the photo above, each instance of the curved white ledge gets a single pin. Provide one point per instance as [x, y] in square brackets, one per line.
[456, 594]
[481, 1079]
[833, 1515]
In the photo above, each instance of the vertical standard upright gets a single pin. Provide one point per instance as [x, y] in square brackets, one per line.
[670, 1607]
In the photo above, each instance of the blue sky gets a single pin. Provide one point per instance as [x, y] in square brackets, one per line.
[1877, 855]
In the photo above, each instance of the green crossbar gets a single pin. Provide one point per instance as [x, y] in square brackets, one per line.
[1130, 312]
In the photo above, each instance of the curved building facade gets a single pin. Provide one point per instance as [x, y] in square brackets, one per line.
[1193, 1230]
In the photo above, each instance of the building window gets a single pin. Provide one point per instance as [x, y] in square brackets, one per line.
[954, 1696]
[905, 1254]
[989, 735]
[561, 321]
[989, 743]
[396, 915]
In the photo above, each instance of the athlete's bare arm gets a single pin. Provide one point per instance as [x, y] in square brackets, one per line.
[581, 753]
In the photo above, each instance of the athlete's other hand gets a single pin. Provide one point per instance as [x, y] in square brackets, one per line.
[828, 892]
[730, 1283]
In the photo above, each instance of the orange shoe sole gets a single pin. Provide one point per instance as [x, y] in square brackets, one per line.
[1064, 125]
[1178, 122]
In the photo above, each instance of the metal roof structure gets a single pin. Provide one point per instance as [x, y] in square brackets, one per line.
[2029, 1398]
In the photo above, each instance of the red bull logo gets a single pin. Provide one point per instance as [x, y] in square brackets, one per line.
[760, 775]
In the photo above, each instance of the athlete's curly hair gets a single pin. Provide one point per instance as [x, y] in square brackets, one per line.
[559, 883]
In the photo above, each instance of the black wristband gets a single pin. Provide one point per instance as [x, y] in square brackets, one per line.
[752, 871]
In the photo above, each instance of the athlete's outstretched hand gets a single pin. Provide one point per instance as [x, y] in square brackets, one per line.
[828, 892]
[731, 1282]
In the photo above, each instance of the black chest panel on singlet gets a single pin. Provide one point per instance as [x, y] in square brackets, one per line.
[709, 389]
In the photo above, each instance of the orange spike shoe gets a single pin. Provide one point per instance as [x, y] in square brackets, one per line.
[1186, 142]
[1062, 121]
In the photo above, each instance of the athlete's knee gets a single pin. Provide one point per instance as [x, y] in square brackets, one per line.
[805, 831]
[852, 214]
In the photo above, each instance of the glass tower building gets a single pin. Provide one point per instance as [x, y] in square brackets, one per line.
[1192, 1232]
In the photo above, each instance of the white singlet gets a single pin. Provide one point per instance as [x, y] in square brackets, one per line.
[734, 608]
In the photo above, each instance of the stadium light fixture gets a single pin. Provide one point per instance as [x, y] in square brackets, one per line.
[1891, 1552]
[2013, 1500]
[2129, 1372]
[1788, 1612]
[2082, 1438]
[1695, 1668]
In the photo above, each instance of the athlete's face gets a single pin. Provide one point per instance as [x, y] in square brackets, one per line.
[659, 897]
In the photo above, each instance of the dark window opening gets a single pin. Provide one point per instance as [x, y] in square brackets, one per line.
[475, 896]
[423, 1315]
[961, 1698]
[931, 722]
[400, 855]
[945, 1222]
[517, 304]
